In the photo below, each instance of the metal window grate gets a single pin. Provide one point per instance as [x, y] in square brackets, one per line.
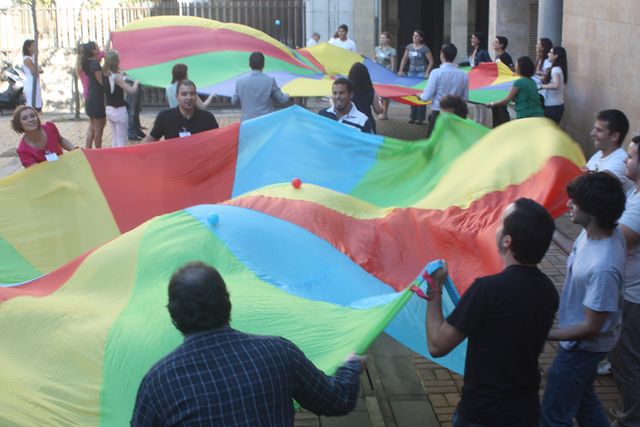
[63, 27]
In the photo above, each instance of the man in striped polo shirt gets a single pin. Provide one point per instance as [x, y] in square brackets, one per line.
[343, 110]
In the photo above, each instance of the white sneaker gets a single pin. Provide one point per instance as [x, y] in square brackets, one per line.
[604, 367]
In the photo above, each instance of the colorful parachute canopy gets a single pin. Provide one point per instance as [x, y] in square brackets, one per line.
[217, 55]
[81, 347]
[490, 81]
[87, 244]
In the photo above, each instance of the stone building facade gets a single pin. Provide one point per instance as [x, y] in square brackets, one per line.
[600, 38]
[361, 16]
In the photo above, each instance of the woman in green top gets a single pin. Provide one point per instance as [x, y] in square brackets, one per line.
[524, 91]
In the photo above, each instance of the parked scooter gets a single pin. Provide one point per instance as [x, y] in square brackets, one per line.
[12, 92]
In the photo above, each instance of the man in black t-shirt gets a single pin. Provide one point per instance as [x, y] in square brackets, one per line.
[506, 317]
[185, 119]
[500, 46]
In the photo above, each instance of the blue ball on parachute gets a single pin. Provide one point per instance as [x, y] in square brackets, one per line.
[213, 219]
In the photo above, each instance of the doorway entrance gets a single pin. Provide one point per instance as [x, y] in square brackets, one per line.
[433, 17]
[427, 16]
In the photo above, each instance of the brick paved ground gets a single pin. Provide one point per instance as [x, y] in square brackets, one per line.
[399, 388]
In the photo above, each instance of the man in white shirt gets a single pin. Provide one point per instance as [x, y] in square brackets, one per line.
[625, 357]
[343, 110]
[314, 40]
[608, 134]
[342, 40]
[447, 79]
[609, 131]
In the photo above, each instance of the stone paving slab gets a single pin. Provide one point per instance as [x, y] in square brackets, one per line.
[399, 387]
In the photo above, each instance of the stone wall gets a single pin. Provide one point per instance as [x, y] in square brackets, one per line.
[324, 16]
[510, 18]
[604, 59]
[57, 78]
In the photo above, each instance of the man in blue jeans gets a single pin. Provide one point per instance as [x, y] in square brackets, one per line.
[133, 111]
[591, 302]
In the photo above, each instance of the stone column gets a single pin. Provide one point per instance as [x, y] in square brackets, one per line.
[460, 27]
[363, 17]
[550, 20]
[510, 18]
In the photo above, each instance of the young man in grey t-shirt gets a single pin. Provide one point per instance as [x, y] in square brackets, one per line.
[625, 357]
[590, 305]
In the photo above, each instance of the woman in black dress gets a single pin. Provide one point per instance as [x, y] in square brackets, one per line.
[364, 96]
[94, 106]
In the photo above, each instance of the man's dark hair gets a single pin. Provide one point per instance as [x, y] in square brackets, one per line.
[526, 67]
[531, 229]
[256, 61]
[449, 50]
[178, 72]
[504, 42]
[616, 122]
[455, 103]
[184, 82]
[343, 27]
[344, 81]
[198, 298]
[635, 140]
[600, 195]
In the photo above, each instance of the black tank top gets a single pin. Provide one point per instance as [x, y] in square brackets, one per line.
[115, 99]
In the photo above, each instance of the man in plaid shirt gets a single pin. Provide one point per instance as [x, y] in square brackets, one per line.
[223, 377]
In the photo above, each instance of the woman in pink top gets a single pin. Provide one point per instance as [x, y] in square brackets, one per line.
[40, 142]
[84, 79]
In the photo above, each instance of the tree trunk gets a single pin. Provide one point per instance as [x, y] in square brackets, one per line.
[35, 56]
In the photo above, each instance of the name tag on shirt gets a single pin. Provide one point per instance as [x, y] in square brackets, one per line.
[184, 134]
[51, 157]
[414, 54]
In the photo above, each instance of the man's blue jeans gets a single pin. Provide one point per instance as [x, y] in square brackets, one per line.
[418, 113]
[459, 421]
[569, 392]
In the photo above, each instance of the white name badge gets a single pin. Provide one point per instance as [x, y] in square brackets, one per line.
[51, 157]
[184, 133]
[414, 53]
